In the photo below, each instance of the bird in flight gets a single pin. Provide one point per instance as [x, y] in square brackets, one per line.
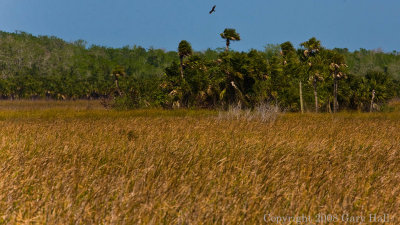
[213, 9]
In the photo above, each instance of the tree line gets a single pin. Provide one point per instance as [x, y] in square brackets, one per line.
[308, 78]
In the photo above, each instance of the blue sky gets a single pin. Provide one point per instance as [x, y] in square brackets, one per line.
[162, 24]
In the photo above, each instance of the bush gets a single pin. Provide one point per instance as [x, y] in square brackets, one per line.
[262, 113]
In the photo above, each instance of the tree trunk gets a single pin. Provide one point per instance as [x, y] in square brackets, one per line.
[117, 87]
[227, 45]
[329, 106]
[301, 97]
[315, 94]
[239, 93]
[371, 107]
[335, 92]
[181, 59]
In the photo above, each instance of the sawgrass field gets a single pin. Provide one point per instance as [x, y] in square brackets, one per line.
[77, 163]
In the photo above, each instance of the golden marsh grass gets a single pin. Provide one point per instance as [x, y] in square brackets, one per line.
[86, 165]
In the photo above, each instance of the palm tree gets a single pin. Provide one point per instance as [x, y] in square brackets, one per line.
[184, 50]
[336, 68]
[229, 35]
[118, 72]
[313, 47]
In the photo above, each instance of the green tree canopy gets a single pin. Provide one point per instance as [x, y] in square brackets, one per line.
[184, 49]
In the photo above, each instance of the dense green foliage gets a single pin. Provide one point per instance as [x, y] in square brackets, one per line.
[48, 67]
[38, 67]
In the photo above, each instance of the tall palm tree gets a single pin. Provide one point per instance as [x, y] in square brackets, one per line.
[312, 48]
[184, 50]
[337, 68]
[229, 35]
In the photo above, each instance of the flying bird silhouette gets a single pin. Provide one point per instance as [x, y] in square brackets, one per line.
[213, 9]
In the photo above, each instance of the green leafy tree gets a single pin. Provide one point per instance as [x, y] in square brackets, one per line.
[292, 70]
[259, 80]
[380, 87]
[246, 81]
[278, 79]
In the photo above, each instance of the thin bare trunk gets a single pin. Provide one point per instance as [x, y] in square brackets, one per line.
[301, 97]
[335, 93]
[181, 59]
[240, 94]
[371, 107]
[117, 87]
[329, 106]
[227, 45]
[315, 94]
